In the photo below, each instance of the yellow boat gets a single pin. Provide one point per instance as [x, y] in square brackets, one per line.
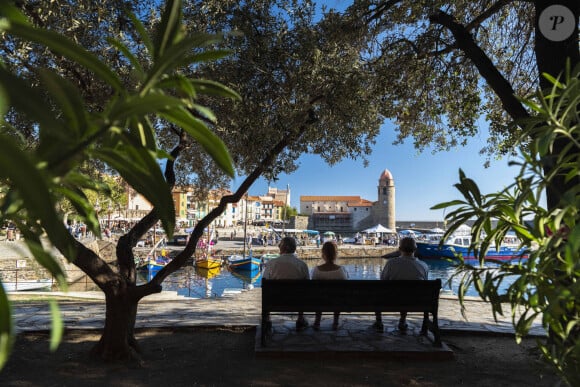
[207, 273]
[208, 263]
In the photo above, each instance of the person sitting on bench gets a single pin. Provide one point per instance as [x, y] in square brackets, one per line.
[329, 270]
[404, 267]
[288, 266]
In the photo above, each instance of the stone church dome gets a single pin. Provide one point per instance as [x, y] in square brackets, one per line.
[386, 175]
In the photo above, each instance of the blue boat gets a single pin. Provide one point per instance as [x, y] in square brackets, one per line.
[458, 245]
[249, 277]
[154, 265]
[240, 262]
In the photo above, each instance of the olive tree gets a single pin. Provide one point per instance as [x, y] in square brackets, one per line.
[121, 135]
[145, 104]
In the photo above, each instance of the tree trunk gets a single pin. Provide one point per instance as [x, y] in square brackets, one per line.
[118, 341]
[551, 56]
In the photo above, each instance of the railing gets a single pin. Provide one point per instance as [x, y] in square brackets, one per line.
[23, 279]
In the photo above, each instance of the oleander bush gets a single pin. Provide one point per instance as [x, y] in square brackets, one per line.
[547, 284]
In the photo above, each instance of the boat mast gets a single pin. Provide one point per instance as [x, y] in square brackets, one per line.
[245, 225]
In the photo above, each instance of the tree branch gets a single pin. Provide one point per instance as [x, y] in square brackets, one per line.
[124, 251]
[481, 61]
[496, 7]
[181, 259]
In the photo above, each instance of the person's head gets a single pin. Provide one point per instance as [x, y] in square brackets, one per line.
[287, 245]
[407, 245]
[329, 251]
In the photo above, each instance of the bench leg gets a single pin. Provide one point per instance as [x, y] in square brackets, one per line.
[436, 332]
[266, 326]
[425, 325]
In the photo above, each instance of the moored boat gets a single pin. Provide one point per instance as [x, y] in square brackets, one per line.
[24, 285]
[208, 263]
[249, 277]
[456, 246]
[268, 256]
[153, 265]
[247, 263]
[207, 273]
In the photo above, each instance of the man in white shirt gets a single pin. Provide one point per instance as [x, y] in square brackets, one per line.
[404, 267]
[288, 266]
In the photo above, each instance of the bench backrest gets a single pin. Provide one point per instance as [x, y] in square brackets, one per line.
[350, 295]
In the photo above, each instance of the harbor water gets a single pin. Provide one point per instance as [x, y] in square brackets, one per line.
[203, 283]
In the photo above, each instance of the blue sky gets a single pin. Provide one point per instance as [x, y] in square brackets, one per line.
[421, 180]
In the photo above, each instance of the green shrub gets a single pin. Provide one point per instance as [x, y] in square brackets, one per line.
[547, 284]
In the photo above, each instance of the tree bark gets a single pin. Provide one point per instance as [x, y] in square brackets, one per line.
[118, 343]
[552, 57]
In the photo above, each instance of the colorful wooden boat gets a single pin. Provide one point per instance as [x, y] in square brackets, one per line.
[248, 277]
[154, 265]
[207, 273]
[208, 263]
[249, 263]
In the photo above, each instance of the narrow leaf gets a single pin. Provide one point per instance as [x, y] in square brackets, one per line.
[57, 327]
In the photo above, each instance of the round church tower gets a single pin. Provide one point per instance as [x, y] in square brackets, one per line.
[386, 200]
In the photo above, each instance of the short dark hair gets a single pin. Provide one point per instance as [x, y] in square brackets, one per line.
[288, 244]
[407, 245]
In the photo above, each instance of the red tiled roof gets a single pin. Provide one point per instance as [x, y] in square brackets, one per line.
[330, 198]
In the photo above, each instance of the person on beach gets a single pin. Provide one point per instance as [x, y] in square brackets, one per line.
[288, 266]
[329, 270]
[404, 267]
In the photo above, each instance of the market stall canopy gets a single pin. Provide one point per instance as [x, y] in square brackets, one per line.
[378, 228]
[329, 233]
[311, 232]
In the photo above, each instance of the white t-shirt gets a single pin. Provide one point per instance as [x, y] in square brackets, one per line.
[286, 266]
[405, 268]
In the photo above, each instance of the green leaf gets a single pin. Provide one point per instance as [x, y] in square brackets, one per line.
[67, 48]
[168, 28]
[447, 204]
[70, 102]
[140, 170]
[143, 35]
[173, 58]
[141, 105]
[7, 10]
[22, 97]
[209, 87]
[57, 327]
[129, 55]
[211, 143]
[32, 187]
[6, 327]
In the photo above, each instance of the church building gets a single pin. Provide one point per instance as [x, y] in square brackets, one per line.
[352, 213]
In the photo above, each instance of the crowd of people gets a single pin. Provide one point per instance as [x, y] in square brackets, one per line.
[401, 266]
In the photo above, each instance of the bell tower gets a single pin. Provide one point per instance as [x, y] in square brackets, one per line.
[386, 200]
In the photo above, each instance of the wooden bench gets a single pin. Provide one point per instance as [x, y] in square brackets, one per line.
[280, 296]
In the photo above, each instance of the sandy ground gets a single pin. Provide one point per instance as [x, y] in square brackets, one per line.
[218, 357]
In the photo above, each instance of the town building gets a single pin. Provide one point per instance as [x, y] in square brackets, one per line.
[347, 214]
